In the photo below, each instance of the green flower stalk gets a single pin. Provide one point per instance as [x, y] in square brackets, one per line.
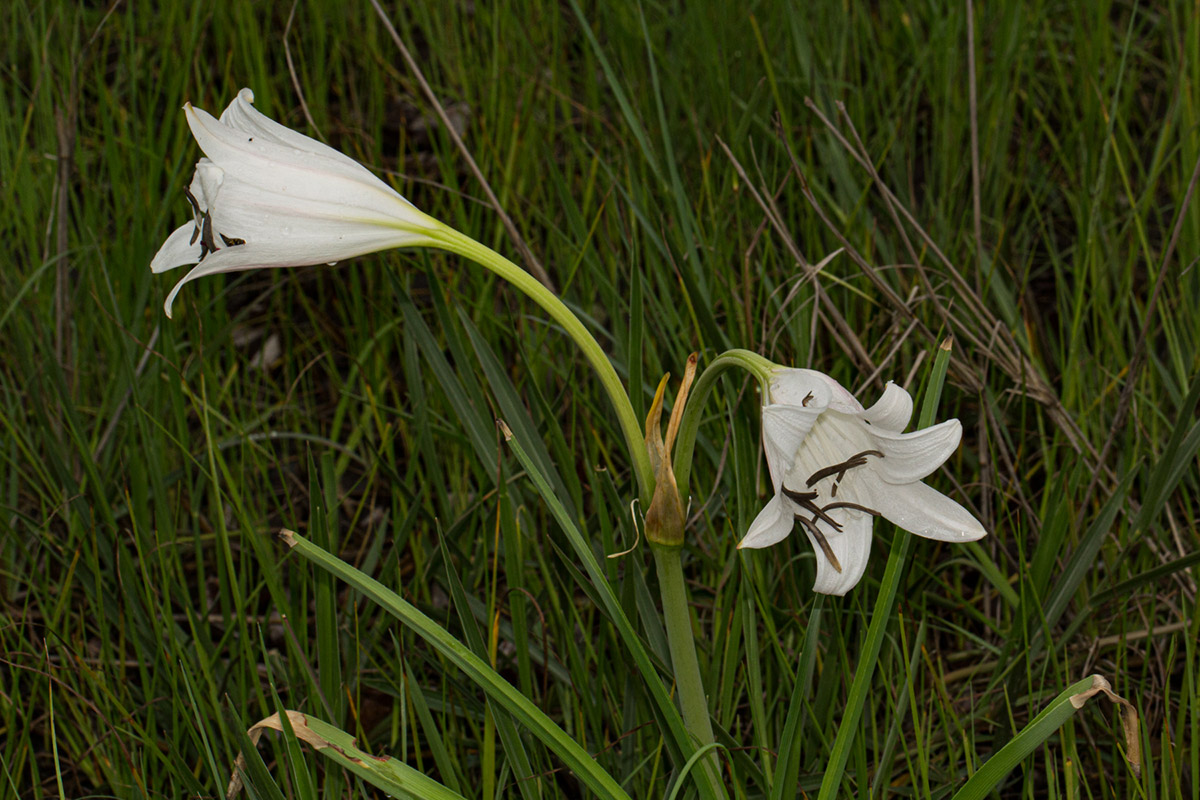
[664, 523]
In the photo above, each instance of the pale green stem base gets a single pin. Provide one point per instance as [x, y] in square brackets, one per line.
[688, 685]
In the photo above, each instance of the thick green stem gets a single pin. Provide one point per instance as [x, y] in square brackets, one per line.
[455, 242]
[688, 685]
[685, 442]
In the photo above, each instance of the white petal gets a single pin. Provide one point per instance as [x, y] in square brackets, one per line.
[292, 171]
[892, 411]
[799, 387]
[241, 115]
[851, 546]
[307, 242]
[243, 207]
[772, 525]
[300, 248]
[176, 250]
[910, 457]
[920, 509]
[783, 429]
[840, 398]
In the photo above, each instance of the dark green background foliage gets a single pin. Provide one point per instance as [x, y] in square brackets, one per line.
[656, 160]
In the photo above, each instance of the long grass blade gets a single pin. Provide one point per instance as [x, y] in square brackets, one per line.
[475, 668]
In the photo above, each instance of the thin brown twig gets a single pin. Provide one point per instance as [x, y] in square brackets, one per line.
[973, 113]
[869, 165]
[771, 329]
[1014, 476]
[535, 267]
[897, 343]
[890, 295]
[287, 55]
[50, 674]
[545, 632]
[65, 120]
[66, 124]
[1003, 348]
[888, 292]
[928, 241]
[748, 283]
[838, 322]
[110, 429]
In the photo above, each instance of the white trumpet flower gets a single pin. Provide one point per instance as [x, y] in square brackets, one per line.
[835, 466]
[267, 196]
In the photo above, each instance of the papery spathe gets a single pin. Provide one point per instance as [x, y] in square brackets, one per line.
[267, 196]
[835, 466]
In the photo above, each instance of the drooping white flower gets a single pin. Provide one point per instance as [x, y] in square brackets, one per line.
[267, 196]
[835, 466]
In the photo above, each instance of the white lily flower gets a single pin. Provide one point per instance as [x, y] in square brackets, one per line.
[267, 196]
[835, 466]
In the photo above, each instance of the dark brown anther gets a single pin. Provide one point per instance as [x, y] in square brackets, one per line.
[808, 399]
[231, 241]
[191, 198]
[805, 499]
[821, 541]
[207, 243]
[856, 460]
[195, 204]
